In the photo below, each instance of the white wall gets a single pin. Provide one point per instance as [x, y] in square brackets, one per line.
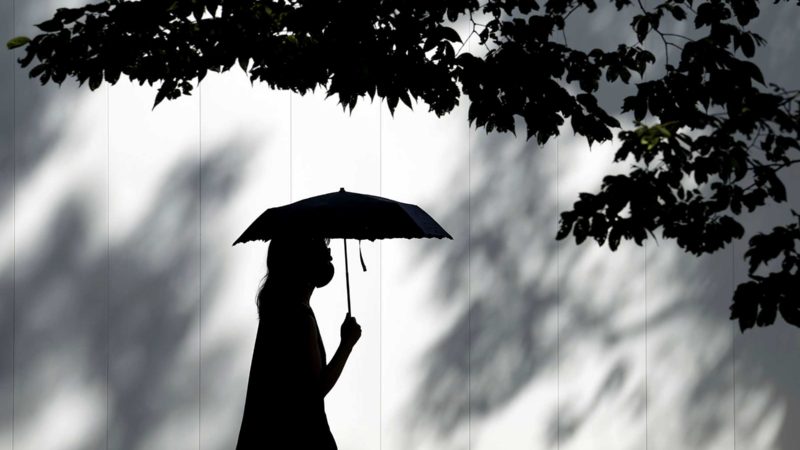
[127, 319]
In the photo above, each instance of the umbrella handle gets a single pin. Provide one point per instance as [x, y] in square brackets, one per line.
[347, 277]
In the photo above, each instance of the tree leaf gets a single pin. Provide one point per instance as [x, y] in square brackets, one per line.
[449, 34]
[95, 80]
[406, 100]
[391, 101]
[112, 75]
[748, 47]
[38, 70]
[614, 237]
[50, 26]
[17, 42]
[790, 311]
[642, 27]
[767, 313]
[677, 12]
[69, 15]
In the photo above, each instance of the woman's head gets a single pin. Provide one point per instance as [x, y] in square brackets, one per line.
[304, 261]
[296, 263]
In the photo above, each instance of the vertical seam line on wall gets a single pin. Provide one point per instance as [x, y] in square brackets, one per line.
[733, 340]
[380, 283]
[646, 386]
[469, 273]
[558, 312]
[14, 231]
[108, 260]
[469, 286]
[200, 265]
[558, 298]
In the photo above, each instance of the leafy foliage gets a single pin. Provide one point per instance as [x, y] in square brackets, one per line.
[758, 301]
[710, 134]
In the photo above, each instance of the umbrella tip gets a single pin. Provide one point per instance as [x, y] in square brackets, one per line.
[341, 189]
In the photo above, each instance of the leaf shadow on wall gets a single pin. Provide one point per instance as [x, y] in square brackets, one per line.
[513, 335]
[147, 352]
[509, 327]
[23, 107]
[506, 341]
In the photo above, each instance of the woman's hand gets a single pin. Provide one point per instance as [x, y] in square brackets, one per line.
[350, 331]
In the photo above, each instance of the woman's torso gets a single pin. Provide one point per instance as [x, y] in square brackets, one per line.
[284, 407]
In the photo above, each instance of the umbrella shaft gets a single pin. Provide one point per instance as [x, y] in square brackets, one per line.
[347, 276]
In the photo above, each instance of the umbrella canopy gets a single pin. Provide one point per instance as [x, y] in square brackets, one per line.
[345, 215]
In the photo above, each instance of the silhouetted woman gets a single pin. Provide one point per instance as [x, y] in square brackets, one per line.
[289, 376]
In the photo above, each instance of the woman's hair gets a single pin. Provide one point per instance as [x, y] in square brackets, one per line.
[285, 259]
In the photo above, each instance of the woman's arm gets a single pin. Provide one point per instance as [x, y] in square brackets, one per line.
[329, 374]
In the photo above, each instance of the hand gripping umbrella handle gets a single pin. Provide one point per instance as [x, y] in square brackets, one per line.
[347, 277]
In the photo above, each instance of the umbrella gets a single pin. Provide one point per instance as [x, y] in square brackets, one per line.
[344, 215]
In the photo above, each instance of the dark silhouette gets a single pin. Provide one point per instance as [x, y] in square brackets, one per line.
[289, 375]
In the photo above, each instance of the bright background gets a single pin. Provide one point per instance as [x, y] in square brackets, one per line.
[127, 319]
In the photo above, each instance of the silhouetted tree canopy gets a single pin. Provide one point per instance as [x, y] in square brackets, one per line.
[709, 134]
